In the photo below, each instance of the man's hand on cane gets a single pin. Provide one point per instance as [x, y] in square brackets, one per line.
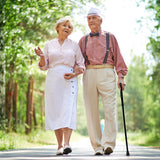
[121, 80]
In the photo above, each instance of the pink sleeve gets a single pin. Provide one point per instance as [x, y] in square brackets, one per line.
[79, 58]
[120, 66]
[46, 66]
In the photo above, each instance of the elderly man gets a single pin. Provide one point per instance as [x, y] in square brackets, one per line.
[102, 58]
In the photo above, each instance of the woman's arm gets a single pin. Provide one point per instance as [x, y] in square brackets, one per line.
[39, 52]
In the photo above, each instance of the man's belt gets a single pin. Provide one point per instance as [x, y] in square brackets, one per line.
[99, 66]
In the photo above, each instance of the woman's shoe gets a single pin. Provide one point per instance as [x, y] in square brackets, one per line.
[98, 153]
[59, 152]
[67, 149]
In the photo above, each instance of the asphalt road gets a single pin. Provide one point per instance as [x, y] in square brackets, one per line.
[81, 151]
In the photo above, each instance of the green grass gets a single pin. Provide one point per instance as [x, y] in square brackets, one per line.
[41, 137]
[36, 138]
[142, 139]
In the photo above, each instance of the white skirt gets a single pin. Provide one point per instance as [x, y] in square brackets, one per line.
[60, 99]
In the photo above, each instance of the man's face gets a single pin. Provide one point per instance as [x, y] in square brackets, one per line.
[94, 23]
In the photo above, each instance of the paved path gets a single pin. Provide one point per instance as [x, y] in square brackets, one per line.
[81, 151]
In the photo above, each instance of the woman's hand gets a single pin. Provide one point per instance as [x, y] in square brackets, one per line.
[78, 70]
[41, 55]
[69, 75]
[39, 52]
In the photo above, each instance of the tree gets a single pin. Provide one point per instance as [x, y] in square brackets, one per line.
[2, 69]
[135, 93]
[154, 48]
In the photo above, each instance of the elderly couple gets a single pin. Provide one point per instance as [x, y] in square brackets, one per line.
[96, 56]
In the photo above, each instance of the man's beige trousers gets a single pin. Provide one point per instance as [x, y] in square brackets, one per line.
[100, 82]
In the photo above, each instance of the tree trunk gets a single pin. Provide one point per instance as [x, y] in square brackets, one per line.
[15, 93]
[41, 93]
[29, 111]
[134, 119]
[34, 118]
[42, 108]
[2, 94]
[2, 75]
[9, 95]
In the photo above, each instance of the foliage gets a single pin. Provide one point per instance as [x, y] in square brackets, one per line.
[154, 48]
[81, 115]
[2, 72]
[36, 138]
[135, 95]
[140, 138]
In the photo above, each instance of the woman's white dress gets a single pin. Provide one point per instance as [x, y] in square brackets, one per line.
[61, 94]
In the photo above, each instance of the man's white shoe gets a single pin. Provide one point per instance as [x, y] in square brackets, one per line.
[59, 151]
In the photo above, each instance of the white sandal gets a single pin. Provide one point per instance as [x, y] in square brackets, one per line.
[59, 151]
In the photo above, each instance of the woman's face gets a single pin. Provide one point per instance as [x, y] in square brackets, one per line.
[64, 29]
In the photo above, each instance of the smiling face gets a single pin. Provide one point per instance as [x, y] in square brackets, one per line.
[94, 23]
[64, 29]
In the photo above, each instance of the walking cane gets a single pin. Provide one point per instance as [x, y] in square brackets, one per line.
[125, 131]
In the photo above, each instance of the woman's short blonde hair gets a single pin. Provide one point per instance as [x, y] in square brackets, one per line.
[63, 20]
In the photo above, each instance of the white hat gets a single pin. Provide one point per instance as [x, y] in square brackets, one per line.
[94, 11]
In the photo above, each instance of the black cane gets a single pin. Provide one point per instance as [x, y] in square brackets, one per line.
[124, 122]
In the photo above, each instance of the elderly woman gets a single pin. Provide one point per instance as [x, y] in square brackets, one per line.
[60, 56]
